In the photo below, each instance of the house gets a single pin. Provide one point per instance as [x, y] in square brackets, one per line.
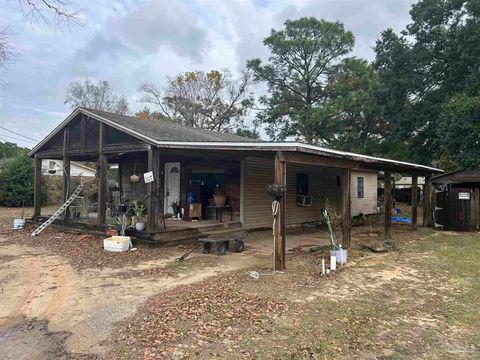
[55, 168]
[161, 163]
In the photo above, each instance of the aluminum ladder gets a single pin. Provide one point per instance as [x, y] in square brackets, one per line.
[60, 211]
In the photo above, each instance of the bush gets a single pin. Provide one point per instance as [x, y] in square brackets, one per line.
[17, 182]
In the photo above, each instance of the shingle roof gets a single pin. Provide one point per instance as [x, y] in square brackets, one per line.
[167, 131]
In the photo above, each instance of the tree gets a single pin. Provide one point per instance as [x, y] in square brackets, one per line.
[17, 181]
[302, 56]
[210, 100]
[56, 13]
[147, 114]
[424, 69]
[98, 96]
[352, 92]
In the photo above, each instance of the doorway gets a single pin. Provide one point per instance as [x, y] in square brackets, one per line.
[172, 185]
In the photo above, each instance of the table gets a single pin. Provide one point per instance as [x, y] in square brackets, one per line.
[219, 211]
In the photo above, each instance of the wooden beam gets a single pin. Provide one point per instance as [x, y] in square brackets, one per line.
[279, 230]
[120, 178]
[93, 150]
[37, 191]
[102, 183]
[346, 208]
[427, 203]
[316, 160]
[387, 193]
[153, 200]
[83, 131]
[414, 201]
[65, 168]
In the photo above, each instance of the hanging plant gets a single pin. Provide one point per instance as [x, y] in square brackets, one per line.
[134, 178]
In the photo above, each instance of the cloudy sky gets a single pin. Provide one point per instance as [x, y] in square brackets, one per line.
[132, 41]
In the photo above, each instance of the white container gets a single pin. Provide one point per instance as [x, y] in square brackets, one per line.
[333, 263]
[18, 223]
[117, 243]
[139, 226]
[340, 255]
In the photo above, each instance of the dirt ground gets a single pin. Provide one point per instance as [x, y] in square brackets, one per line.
[417, 302]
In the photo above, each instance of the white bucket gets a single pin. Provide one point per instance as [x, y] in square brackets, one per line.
[18, 223]
[117, 243]
[341, 255]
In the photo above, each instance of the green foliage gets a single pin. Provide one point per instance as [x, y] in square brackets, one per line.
[252, 134]
[17, 182]
[9, 150]
[425, 70]
[302, 55]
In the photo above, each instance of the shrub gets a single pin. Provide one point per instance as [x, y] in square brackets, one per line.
[17, 181]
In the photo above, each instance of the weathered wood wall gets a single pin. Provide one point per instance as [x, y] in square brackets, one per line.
[258, 173]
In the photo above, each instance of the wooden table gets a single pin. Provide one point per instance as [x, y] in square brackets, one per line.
[219, 211]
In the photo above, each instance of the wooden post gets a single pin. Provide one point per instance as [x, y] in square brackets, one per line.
[427, 203]
[66, 169]
[102, 183]
[388, 205]
[37, 191]
[120, 180]
[279, 230]
[414, 201]
[346, 208]
[153, 201]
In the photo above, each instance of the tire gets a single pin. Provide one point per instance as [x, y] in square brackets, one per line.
[207, 247]
[221, 248]
[239, 246]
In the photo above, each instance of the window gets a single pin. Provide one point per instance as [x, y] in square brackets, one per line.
[360, 192]
[302, 184]
[339, 183]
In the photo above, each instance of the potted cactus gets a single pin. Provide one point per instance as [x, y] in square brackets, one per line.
[139, 215]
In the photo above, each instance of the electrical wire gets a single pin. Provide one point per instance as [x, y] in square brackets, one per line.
[14, 138]
[13, 132]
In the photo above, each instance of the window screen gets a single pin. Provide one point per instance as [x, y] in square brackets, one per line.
[302, 184]
[360, 183]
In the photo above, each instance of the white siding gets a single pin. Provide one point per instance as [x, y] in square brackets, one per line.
[368, 203]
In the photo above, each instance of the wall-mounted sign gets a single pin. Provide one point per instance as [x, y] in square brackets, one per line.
[148, 177]
[463, 196]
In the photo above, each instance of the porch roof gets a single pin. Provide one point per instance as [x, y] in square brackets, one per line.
[169, 135]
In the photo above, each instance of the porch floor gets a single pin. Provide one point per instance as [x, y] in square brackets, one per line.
[172, 223]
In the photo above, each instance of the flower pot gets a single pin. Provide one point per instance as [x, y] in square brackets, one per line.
[134, 178]
[117, 243]
[111, 232]
[18, 223]
[219, 200]
[139, 226]
[340, 255]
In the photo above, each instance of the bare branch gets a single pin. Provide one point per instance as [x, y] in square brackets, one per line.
[56, 13]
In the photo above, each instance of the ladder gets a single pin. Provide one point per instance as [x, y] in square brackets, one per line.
[60, 211]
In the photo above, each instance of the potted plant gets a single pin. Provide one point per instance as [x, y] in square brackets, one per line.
[19, 223]
[177, 209]
[139, 215]
[219, 197]
[336, 251]
[119, 242]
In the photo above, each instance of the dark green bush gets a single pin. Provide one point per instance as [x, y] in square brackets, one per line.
[17, 181]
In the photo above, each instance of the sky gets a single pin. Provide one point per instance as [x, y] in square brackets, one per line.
[129, 42]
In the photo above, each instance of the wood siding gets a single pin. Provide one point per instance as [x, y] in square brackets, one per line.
[258, 173]
[368, 203]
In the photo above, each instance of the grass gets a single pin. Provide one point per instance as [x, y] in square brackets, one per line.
[419, 302]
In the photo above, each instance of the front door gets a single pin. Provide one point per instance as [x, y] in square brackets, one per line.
[172, 185]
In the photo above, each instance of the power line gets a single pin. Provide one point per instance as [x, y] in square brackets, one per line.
[13, 132]
[14, 138]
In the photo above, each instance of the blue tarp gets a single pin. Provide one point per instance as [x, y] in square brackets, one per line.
[398, 219]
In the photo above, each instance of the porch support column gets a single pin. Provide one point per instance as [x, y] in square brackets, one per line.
[66, 169]
[279, 230]
[414, 201]
[346, 208]
[388, 205]
[37, 194]
[102, 183]
[427, 202]
[120, 180]
[153, 200]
